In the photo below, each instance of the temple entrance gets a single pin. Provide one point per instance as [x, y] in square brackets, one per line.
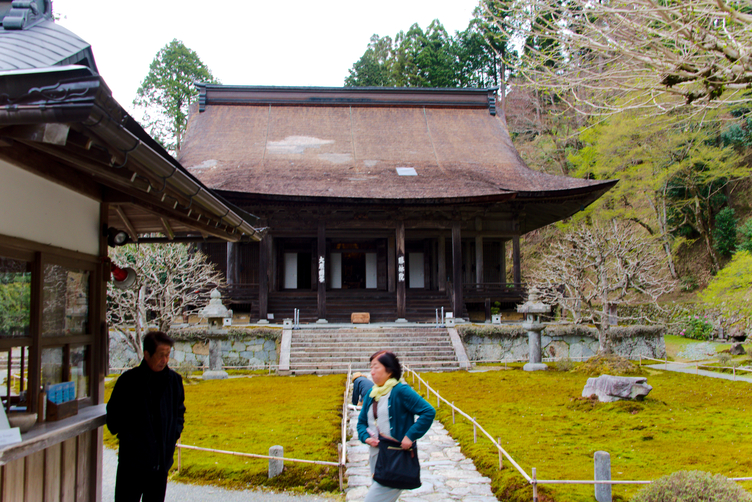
[354, 266]
[353, 270]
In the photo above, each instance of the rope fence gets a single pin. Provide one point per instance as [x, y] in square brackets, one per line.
[532, 479]
[341, 448]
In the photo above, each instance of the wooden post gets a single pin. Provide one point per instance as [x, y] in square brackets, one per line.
[501, 456]
[535, 486]
[401, 269]
[516, 261]
[265, 252]
[475, 432]
[503, 263]
[452, 411]
[179, 456]
[478, 259]
[442, 262]
[391, 264]
[232, 262]
[438, 399]
[458, 302]
[341, 476]
[321, 264]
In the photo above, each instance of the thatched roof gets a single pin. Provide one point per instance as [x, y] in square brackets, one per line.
[352, 143]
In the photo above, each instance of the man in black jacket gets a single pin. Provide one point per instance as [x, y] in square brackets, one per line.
[146, 411]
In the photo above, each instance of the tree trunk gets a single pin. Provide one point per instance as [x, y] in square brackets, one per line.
[705, 233]
[662, 218]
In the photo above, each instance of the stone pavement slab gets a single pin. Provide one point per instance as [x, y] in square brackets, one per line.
[445, 472]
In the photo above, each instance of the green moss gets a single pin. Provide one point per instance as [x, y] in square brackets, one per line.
[687, 422]
[249, 415]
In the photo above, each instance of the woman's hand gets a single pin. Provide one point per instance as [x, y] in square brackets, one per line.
[406, 443]
[373, 442]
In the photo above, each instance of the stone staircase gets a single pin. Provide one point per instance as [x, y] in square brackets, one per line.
[325, 351]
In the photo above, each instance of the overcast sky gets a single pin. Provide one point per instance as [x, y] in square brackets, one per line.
[247, 42]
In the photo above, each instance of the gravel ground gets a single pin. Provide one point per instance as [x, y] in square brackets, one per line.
[178, 492]
[696, 351]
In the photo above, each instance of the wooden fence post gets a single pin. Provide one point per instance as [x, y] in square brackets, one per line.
[452, 412]
[475, 432]
[501, 457]
[179, 451]
[341, 476]
[534, 482]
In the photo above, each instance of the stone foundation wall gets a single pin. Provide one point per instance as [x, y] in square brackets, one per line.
[560, 342]
[237, 350]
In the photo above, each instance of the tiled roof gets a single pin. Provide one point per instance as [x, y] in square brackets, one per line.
[350, 146]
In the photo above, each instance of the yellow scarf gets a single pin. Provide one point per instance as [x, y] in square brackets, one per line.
[379, 391]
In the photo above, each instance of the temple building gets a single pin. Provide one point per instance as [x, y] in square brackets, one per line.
[391, 201]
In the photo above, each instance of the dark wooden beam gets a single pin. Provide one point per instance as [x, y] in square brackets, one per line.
[265, 253]
[321, 269]
[442, 262]
[401, 269]
[516, 261]
[457, 302]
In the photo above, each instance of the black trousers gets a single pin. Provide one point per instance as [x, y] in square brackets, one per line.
[133, 483]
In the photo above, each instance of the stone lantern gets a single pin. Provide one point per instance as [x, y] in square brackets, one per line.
[215, 313]
[533, 308]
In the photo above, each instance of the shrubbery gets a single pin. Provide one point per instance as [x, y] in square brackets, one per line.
[724, 233]
[697, 328]
[693, 486]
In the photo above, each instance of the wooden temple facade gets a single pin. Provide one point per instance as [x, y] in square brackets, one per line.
[390, 201]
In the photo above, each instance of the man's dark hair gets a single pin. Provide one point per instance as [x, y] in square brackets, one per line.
[154, 338]
[390, 362]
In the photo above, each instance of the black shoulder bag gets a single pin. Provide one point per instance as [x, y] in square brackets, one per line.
[395, 467]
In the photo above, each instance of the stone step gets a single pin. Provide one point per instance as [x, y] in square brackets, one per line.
[371, 343]
[332, 350]
[365, 360]
[367, 349]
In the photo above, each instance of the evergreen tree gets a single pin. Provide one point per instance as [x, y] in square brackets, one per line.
[168, 91]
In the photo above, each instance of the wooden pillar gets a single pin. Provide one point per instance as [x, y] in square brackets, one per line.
[457, 301]
[427, 283]
[503, 262]
[265, 251]
[478, 259]
[391, 265]
[321, 268]
[233, 254]
[442, 262]
[401, 269]
[516, 260]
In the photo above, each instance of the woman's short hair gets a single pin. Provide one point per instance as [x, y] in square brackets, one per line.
[154, 338]
[390, 362]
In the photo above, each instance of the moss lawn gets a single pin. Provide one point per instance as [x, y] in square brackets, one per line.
[252, 414]
[687, 422]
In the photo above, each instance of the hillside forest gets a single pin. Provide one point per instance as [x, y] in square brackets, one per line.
[660, 99]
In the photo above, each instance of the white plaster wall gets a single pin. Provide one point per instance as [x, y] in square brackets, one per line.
[39, 210]
[371, 271]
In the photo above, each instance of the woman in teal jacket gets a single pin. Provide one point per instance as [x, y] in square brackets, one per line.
[396, 407]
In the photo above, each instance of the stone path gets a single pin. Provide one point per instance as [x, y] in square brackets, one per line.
[445, 472]
[683, 368]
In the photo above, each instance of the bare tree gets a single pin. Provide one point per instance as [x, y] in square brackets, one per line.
[172, 280]
[593, 267]
[612, 55]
